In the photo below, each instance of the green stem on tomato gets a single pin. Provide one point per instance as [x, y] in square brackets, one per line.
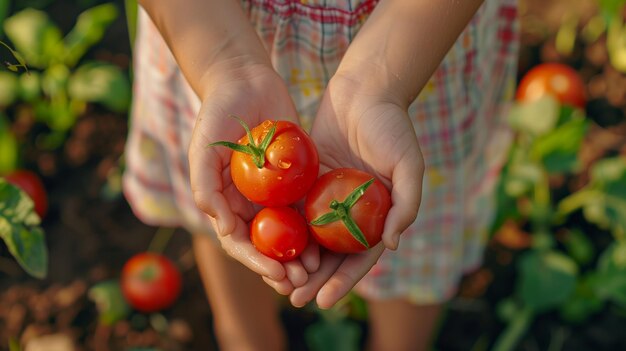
[341, 211]
[257, 152]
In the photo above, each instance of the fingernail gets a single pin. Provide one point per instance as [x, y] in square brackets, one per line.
[395, 239]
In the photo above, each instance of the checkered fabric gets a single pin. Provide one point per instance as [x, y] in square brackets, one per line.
[458, 118]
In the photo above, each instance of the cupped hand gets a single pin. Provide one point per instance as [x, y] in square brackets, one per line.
[365, 128]
[253, 93]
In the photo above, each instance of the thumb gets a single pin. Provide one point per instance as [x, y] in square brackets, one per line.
[406, 195]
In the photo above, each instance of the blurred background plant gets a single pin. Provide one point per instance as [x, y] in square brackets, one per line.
[554, 276]
[52, 84]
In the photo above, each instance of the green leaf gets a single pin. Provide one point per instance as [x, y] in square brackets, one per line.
[110, 302]
[547, 279]
[579, 247]
[8, 88]
[9, 151]
[102, 83]
[558, 149]
[35, 37]
[30, 86]
[538, 117]
[4, 12]
[90, 27]
[330, 335]
[610, 278]
[19, 228]
[583, 303]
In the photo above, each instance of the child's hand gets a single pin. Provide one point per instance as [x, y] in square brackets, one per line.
[253, 93]
[363, 127]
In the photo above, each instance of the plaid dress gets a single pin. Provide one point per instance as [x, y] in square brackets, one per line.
[458, 119]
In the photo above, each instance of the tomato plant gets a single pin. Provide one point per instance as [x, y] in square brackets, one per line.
[556, 79]
[279, 232]
[275, 164]
[356, 223]
[150, 282]
[32, 185]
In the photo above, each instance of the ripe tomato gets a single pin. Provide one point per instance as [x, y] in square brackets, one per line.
[279, 232]
[275, 164]
[342, 199]
[150, 282]
[32, 185]
[556, 79]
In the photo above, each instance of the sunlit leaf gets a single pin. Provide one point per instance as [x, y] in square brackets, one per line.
[8, 88]
[536, 117]
[89, 29]
[110, 302]
[19, 228]
[101, 83]
[34, 36]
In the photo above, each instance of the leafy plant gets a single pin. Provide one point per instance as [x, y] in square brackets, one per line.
[20, 230]
[58, 85]
[562, 271]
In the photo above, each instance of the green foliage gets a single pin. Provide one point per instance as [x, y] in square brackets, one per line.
[19, 228]
[58, 85]
[558, 272]
[110, 302]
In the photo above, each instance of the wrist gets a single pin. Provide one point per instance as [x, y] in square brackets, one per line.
[370, 79]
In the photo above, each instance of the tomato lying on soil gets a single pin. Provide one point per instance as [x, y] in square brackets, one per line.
[556, 79]
[346, 209]
[150, 282]
[274, 164]
[280, 233]
[32, 185]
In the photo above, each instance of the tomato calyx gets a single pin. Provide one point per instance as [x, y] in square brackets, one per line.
[256, 151]
[341, 211]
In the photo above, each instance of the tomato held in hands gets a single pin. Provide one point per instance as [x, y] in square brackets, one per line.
[346, 209]
[280, 233]
[32, 185]
[556, 79]
[150, 282]
[275, 164]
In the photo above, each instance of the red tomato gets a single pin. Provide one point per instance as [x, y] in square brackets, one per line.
[32, 185]
[150, 282]
[556, 79]
[279, 232]
[287, 166]
[331, 193]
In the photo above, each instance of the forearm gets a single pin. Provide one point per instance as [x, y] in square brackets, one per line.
[206, 36]
[403, 42]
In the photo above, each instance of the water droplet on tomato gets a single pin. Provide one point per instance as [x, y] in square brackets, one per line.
[290, 253]
[296, 138]
[368, 203]
[282, 164]
[277, 253]
[339, 175]
[281, 148]
[279, 178]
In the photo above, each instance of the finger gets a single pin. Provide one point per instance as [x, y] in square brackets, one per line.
[303, 294]
[406, 195]
[283, 286]
[350, 272]
[310, 257]
[238, 246]
[296, 273]
[205, 175]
